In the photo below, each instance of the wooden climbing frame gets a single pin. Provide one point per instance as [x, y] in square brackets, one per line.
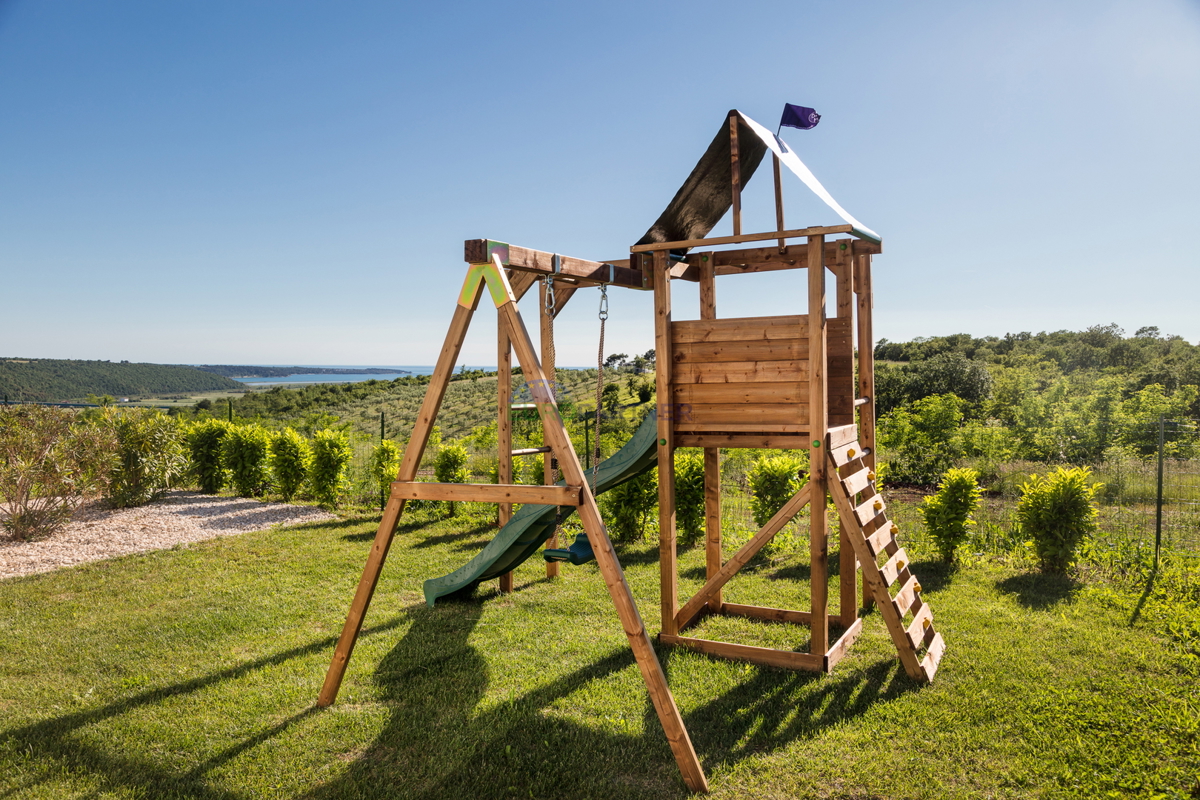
[783, 382]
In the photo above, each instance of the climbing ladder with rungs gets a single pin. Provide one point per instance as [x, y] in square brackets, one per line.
[885, 563]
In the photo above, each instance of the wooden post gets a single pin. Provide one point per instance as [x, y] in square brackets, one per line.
[818, 425]
[712, 455]
[866, 372]
[778, 201]
[606, 560]
[735, 174]
[547, 335]
[504, 428]
[847, 561]
[667, 410]
[467, 303]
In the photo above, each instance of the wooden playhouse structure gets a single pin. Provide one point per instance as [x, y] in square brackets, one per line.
[797, 382]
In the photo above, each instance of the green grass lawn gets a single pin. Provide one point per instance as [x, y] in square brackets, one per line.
[191, 673]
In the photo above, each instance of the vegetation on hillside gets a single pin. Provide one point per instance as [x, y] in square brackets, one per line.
[45, 380]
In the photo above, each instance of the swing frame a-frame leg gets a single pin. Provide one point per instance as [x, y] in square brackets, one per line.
[493, 275]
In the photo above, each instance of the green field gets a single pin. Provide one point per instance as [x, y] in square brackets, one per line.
[191, 673]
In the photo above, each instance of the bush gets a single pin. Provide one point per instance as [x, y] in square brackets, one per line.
[289, 459]
[204, 444]
[48, 463]
[384, 464]
[628, 507]
[331, 454]
[244, 455]
[947, 514]
[1058, 512]
[149, 458]
[451, 467]
[774, 480]
[689, 496]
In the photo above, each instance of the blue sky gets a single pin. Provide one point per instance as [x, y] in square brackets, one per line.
[268, 182]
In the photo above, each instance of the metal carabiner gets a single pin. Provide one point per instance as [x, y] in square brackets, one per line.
[549, 296]
[603, 302]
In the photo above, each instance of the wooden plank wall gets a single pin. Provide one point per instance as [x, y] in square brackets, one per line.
[750, 375]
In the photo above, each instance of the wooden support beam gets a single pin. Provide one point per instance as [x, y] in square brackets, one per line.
[798, 233]
[838, 651]
[712, 455]
[735, 174]
[818, 542]
[865, 344]
[755, 655]
[739, 559]
[467, 303]
[847, 562]
[487, 493]
[663, 362]
[778, 200]
[768, 614]
[606, 559]
[479, 251]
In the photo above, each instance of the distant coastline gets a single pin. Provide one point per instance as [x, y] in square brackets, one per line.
[237, 371]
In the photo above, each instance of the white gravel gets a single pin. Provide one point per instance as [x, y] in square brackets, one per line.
[97, 533]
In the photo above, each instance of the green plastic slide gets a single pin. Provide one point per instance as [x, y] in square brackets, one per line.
[532, 525]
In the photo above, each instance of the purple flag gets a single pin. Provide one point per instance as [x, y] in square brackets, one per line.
[799, 117]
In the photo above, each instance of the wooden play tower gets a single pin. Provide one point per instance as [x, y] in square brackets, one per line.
[780, 382]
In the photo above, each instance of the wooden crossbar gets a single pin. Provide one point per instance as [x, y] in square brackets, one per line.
[487, 493]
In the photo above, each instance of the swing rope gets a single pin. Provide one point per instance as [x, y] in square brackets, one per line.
[550, 309]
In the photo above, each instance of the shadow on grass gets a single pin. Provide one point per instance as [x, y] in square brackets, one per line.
[438, 743]
[474, 534]
[68, 741]
[933, 575]
[1039, 590]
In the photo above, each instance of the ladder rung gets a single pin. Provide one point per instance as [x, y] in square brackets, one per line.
[933, 656]
[529, 451]
[920, 630]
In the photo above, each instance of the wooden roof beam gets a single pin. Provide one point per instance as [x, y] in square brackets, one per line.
[480, 251]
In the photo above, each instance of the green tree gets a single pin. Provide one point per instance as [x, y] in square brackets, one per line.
[244, 451]
[689, 496]
[383, 465]
[204, 446]
[451, 467]
[773, 481]
[149, 456]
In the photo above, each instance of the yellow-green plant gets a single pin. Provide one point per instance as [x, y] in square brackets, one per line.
[204, 446]
[628, 507]
[331, 453]
[289, 460]
[1057, 512]
[149, 456]
[947, 514]
[384, 464]
[244, 455]
[773, 480]
[451, 467]
[689, 496]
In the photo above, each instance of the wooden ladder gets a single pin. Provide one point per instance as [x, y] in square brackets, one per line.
[863, 514]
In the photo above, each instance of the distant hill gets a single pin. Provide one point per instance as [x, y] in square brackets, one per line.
[50, 380]
[243, 371]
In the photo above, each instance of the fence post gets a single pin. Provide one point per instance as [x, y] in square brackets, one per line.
[382, 491]
[1159, 495]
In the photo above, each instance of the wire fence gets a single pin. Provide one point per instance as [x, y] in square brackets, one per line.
[1149, 501]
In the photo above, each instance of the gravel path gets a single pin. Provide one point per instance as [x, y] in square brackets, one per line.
[96, 533]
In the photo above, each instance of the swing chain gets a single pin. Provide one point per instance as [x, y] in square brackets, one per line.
[550, 304]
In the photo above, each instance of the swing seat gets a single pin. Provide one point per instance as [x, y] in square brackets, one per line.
[580, 552]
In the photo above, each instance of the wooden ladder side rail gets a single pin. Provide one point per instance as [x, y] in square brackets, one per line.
[468, 301]
[895, 626]
[739, 559]
[606, 557]
[847, 561]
